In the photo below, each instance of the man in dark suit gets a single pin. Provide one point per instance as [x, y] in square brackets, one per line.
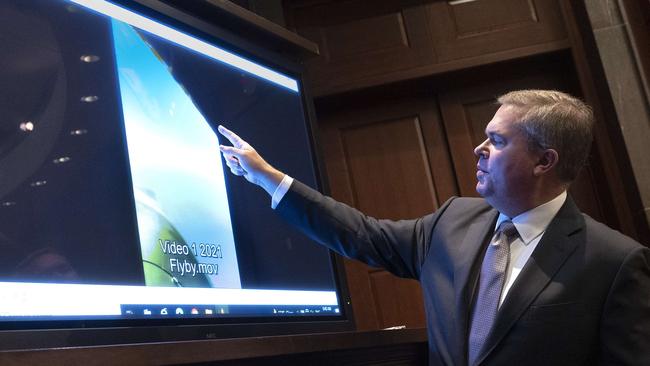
[518, 277]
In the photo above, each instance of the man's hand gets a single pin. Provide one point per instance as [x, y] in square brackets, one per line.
[243, 160]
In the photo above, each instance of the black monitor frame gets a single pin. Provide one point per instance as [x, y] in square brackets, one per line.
[271, 49]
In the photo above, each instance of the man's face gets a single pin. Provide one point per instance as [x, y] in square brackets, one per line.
[505, 164]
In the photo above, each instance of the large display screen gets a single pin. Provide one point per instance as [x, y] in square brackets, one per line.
[114, 200]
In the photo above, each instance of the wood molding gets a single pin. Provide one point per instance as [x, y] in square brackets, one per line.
[355, 346]
[636, 14]
[626, 213]
[439, 68]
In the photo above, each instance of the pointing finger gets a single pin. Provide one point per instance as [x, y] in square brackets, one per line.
[232, 137]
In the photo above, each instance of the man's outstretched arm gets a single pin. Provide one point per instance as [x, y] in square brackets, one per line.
[398, 246]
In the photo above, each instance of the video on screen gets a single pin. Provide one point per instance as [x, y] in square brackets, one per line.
[112, 188]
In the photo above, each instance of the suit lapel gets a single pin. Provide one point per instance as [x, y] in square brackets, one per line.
[551, 252]
[468, 257]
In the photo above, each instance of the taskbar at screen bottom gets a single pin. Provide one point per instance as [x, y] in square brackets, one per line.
[201, 311]
[185, 311]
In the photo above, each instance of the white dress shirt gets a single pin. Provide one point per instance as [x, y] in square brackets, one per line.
[530, 225]
[281, 190]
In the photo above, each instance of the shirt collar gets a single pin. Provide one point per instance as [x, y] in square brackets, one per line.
[534, 222]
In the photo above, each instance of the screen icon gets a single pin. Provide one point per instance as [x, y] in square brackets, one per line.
[208, 311]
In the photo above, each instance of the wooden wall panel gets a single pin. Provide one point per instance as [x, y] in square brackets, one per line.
[351, 39]
[389, 172]
[390, 294]
[463, 129]
[388, 36]
[390, 161]
[470, 20]
[479, 27]
[366, 43]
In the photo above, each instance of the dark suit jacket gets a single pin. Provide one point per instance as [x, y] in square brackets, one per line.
[583, 298]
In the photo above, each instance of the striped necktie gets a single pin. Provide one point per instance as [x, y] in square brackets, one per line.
[491, 280]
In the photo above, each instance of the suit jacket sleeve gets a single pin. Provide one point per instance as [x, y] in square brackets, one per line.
[625, 323]
[398, 246]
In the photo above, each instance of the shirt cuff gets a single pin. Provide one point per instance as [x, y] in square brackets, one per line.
[281, 190]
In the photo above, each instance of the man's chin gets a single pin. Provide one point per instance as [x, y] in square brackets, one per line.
[482, 189]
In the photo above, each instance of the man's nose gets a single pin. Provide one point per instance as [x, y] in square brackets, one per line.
[481, 150]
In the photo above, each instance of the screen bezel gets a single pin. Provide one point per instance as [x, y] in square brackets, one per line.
[21, 335]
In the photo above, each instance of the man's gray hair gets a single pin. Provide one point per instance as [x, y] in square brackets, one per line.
[554, 120]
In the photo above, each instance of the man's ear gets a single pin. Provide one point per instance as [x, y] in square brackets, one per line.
[547, 160]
